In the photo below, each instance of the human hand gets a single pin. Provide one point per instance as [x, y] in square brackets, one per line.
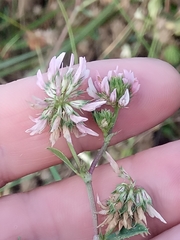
[61, 210]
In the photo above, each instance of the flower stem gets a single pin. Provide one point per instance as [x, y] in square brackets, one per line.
[93, 209]
[98, 156]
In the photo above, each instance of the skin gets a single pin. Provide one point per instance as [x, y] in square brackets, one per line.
[61, 210]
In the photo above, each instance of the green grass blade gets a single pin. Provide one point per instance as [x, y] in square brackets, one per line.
[94, 24]
[70, 31]
[55, 173]
[17, 67]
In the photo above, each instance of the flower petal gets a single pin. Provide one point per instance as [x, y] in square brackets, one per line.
[77, 119]
[91, 90]
[105, 86]
[85, 130]
[113, 96]
[110, 75]
[135, 87]
[38, 127]
[67, 134]
[128, 77]
[39, 103]
[56, 124]
[81, 72]
[92, 106]
[124, 100]
[40, 81]
[59, 60]
[54, 65]
[68, 109]
[153, 213]
[78, 103]
[54, 137]
[71, 60]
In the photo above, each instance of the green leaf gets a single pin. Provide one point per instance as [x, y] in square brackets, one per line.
[61, 155]
[127, 233]
[154, 8]
[172, 54]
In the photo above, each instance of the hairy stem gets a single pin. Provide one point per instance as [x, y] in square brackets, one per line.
[98, 156]
[92, 205]
[88, 176]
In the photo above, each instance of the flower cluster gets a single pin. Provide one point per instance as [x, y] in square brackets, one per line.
[127, 204]
[115, 89]
[61, 107]
[127, 207]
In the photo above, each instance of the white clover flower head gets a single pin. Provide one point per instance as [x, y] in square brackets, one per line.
[115, 88]
[60, 109]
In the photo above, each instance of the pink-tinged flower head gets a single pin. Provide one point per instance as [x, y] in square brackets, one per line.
[60, 106]
[115, 89]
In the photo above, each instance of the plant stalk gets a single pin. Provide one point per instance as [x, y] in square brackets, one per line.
[93, 207]
[98, 156]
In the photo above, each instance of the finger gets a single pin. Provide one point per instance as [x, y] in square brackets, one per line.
[61, 210]
[172, 233]
[22, 154]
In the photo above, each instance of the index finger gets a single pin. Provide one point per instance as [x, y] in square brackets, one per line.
[22, 154]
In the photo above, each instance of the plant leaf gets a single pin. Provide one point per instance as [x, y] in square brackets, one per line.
[61, 155]
[127, 233]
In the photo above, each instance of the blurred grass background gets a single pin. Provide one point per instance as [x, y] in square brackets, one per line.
[31, 32]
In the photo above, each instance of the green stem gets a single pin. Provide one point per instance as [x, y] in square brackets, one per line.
[88, 182]
[74, 154]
